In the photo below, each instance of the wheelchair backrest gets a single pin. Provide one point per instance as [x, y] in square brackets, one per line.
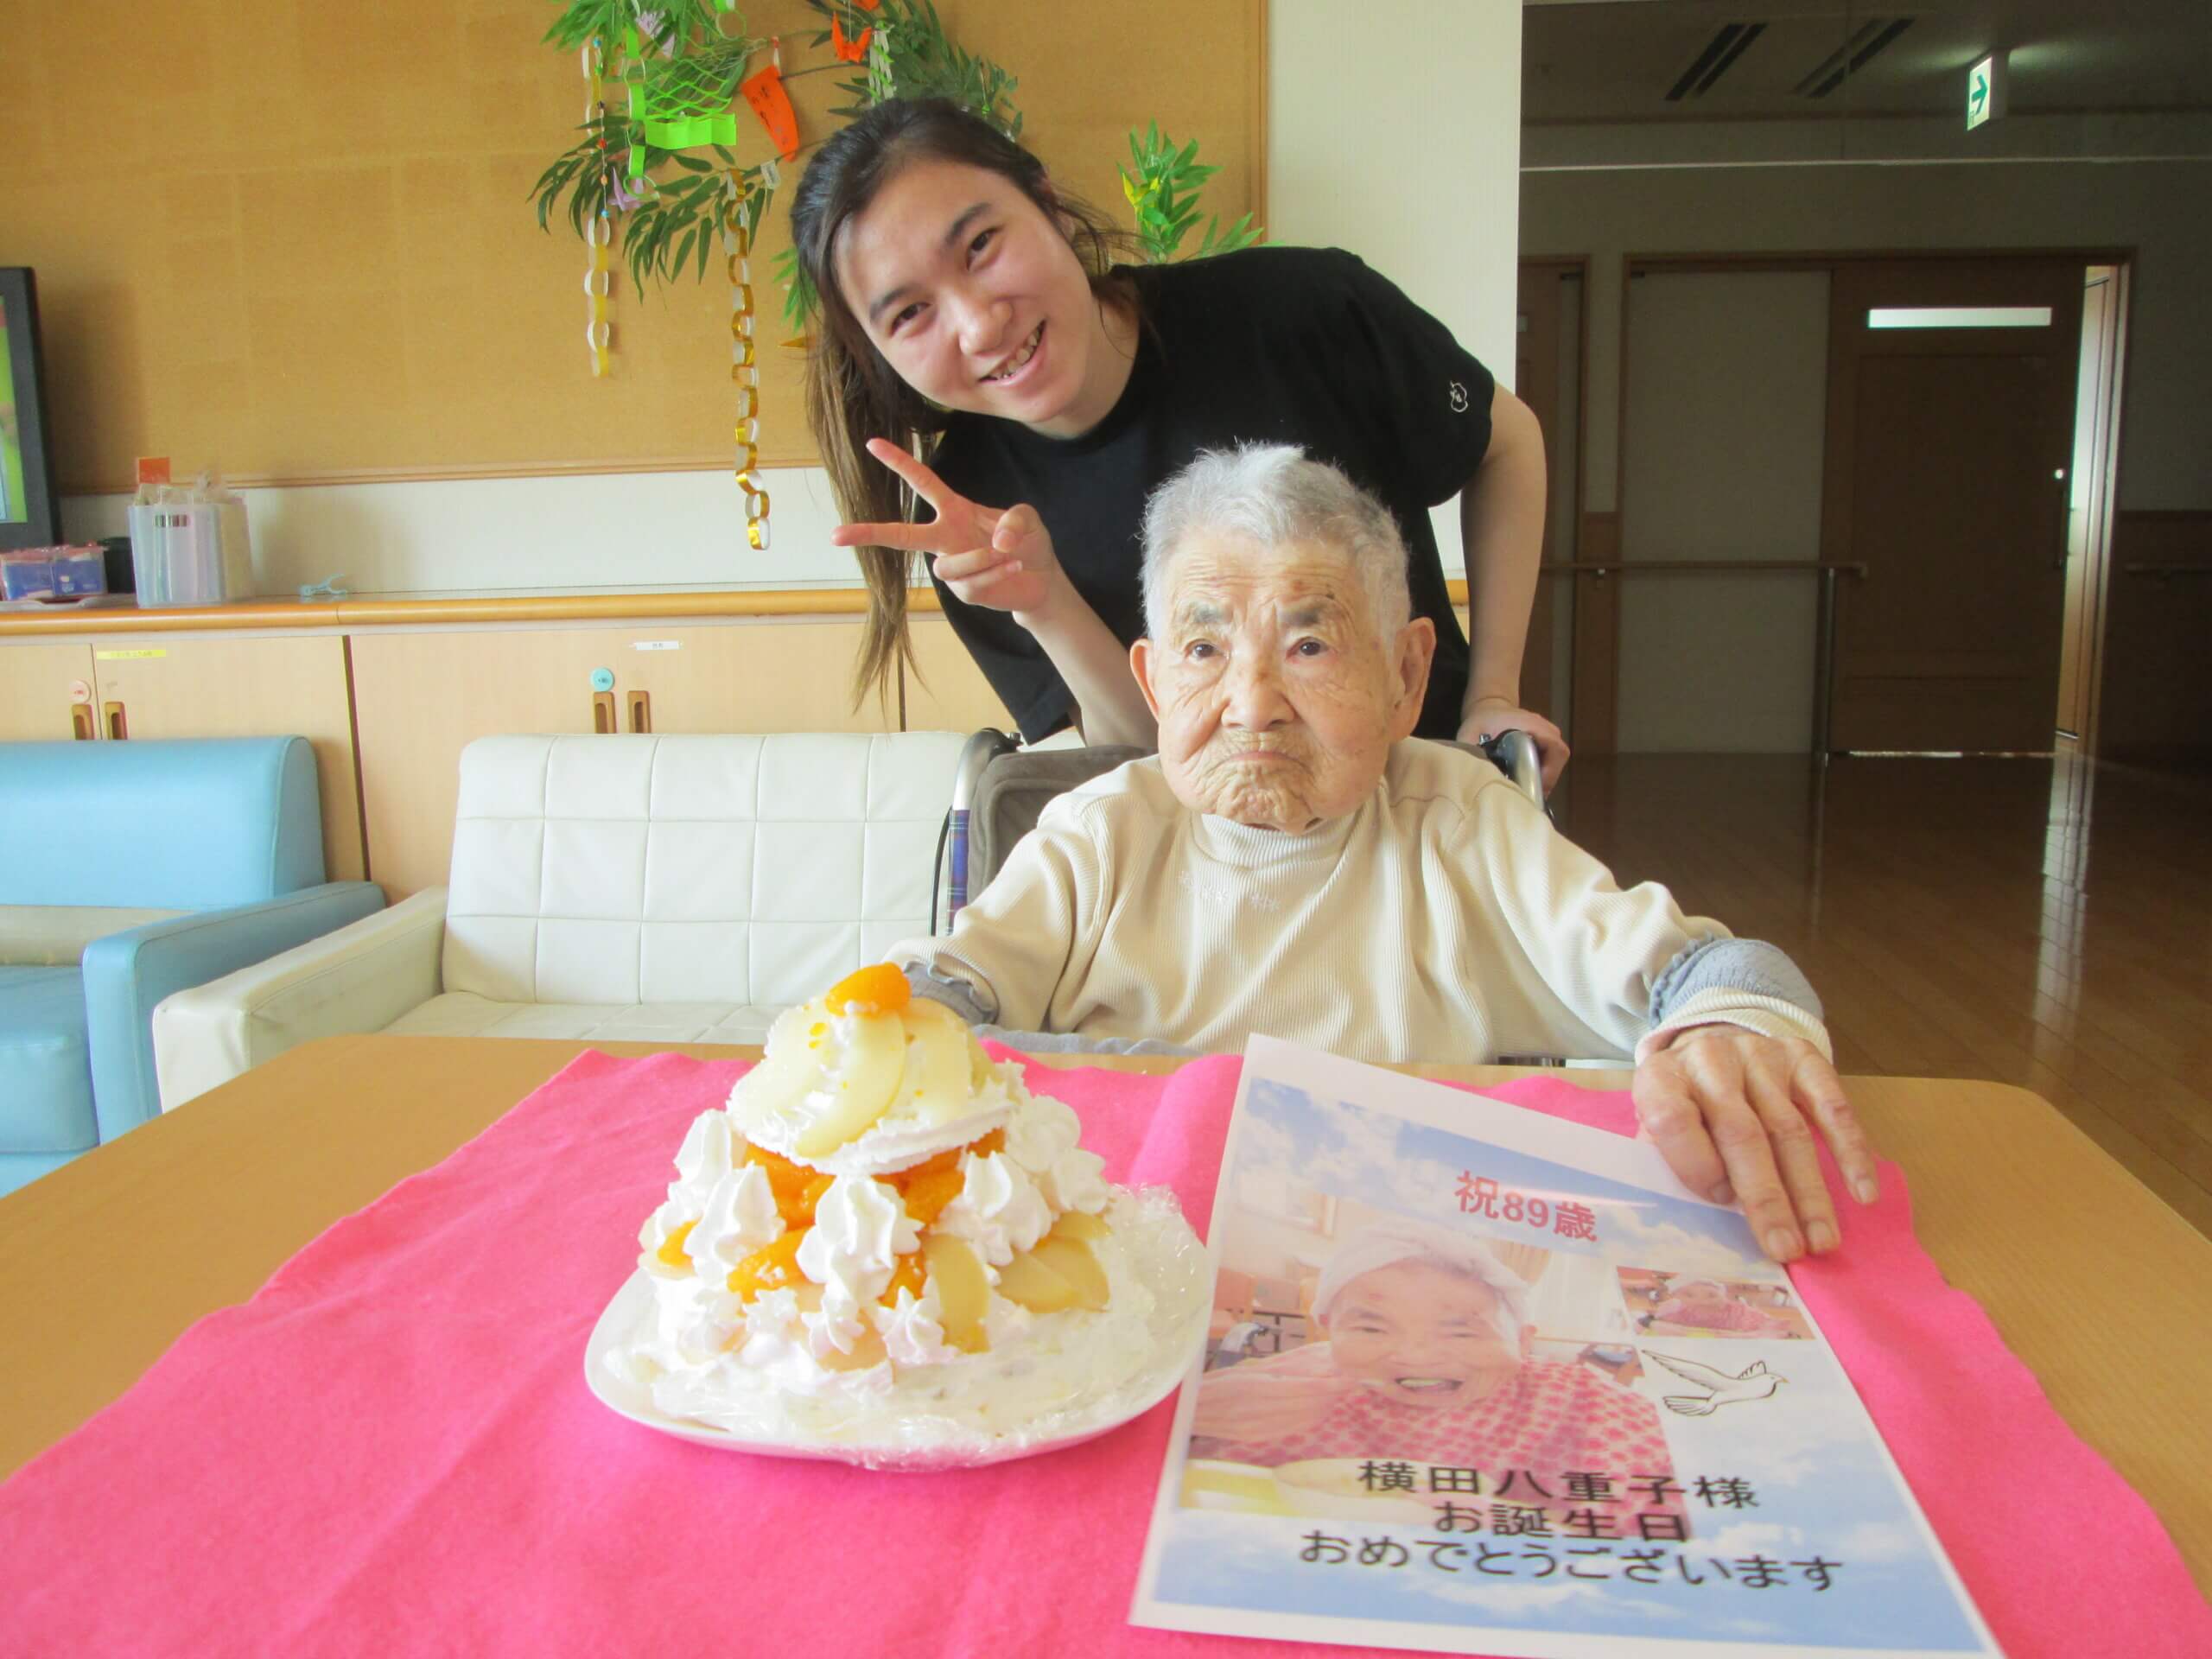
[1011, 792]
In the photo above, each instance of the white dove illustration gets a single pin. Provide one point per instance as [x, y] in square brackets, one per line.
[1754, 1382]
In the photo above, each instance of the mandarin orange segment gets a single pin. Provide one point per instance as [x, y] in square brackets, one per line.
[797, 1187]
[784, 1175]
[773, 1267]
[671, 1248]
[802, 1213]
[906, 1273]
[949, 1159]
[927, 1195]
[880, 988]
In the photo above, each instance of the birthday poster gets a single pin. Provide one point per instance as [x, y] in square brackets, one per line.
[1477, 1380]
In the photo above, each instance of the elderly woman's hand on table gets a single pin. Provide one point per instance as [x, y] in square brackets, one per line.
[1735, 1114]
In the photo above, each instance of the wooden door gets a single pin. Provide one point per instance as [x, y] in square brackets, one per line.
[421, 697]
[1947, 448]
[46, 692]
[243, 685]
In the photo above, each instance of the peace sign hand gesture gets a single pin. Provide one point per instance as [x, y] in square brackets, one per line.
[1000, 558]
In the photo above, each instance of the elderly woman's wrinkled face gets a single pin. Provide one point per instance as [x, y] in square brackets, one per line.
[1421, 1334]
[1277, 698]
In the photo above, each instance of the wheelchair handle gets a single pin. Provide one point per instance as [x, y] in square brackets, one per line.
[1514, 754]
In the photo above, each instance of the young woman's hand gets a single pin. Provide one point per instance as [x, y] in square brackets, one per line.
[1491, 716]
[1000, 558]
[1739, 1113]
[1269, 1399]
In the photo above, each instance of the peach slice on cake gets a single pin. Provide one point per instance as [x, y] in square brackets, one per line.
[963, 1290]
[863, 1077]
[1072, 1259]
[1028, 1282]
[935, 1087]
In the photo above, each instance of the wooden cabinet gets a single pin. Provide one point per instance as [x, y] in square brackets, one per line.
[390, 703]
[949, 693]
[242, 685]
[422, 696]
[157, 686]
[45, 691]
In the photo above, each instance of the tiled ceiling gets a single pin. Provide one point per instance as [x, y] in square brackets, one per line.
[1609, 60]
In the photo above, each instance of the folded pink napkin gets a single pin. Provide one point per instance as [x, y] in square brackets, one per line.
[392, 1448]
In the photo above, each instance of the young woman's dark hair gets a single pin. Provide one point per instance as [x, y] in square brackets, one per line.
[852, 394]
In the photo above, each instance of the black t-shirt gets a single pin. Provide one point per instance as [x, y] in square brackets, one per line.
[1302, 345]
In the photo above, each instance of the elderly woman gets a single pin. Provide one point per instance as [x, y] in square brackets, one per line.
[1428, 1360]
[1293, 862]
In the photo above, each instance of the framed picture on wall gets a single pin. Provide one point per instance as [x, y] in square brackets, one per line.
[30, 505]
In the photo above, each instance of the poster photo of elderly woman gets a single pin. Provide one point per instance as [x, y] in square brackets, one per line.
[1363, 1363]
[1661, 1303]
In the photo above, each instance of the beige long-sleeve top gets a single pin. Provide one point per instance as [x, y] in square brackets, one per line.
[1443, 921]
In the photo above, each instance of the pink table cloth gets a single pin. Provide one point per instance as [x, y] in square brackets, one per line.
[392, 1448]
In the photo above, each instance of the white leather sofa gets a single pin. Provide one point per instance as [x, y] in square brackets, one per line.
[659, 889]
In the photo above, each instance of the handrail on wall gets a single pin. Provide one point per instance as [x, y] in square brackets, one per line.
[1696, 567]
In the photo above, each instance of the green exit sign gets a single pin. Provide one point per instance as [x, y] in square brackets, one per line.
[1986, 91]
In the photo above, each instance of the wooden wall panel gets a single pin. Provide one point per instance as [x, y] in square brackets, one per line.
[2156, 703]
[944, 690]
[295, 241]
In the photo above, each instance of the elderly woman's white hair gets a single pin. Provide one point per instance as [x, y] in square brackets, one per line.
[1274, 494]
[1384, 1243]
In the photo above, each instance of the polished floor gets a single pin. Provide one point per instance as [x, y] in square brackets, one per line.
[2042, 922]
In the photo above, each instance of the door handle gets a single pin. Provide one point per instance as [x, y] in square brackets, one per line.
[602, 712]
[641, 711]
[116, 728]
[80, 723]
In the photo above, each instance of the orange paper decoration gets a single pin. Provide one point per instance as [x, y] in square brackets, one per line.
[771, 102]
[848, 51]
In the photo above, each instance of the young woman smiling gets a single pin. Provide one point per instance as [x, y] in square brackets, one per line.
[965, 299]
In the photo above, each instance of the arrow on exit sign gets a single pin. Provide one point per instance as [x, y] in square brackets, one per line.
[1985, 91]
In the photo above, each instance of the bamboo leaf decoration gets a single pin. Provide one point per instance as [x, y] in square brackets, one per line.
[684, 59]
[1162, 185]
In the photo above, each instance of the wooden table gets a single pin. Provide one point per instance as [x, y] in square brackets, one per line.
[2104, 1291]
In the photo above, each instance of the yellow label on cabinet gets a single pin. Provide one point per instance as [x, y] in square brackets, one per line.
[117, 656]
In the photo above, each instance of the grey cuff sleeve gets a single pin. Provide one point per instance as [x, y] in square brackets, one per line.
[1747, 965]
[1071, 1042]
[967, 1000]
[957, 994]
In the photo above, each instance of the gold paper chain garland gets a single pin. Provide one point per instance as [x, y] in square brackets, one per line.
[737, 247]
[598, 332]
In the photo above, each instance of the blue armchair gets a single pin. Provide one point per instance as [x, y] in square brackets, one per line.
[129, 870]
